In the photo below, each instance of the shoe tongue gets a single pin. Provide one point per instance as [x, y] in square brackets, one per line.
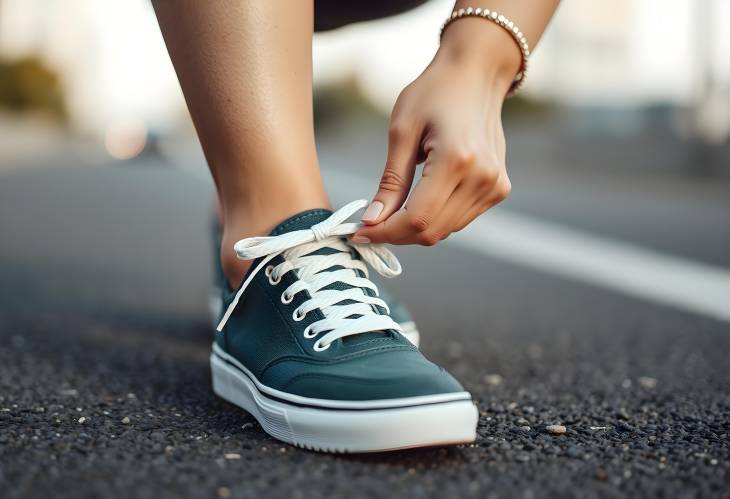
[306, 220]
[301, 221]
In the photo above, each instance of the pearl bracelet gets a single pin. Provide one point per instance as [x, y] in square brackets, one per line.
[508, 26]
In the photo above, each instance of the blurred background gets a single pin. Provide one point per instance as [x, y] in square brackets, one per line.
[97, 72]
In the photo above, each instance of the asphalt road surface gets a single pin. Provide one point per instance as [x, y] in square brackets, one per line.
[104, 341]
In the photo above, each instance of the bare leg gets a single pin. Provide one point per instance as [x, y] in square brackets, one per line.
[245, 68]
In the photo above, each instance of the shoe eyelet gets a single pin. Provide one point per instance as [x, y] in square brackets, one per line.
[274, 282]
[308, 333]
[286, 298]
[296, 315]
[318, 347]
[268, 270]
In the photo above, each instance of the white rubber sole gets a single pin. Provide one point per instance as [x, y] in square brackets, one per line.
[406, 423]
[215, 304]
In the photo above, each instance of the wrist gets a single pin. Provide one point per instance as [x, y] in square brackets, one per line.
[483, 48]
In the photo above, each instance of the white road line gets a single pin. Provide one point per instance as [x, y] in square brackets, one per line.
[583, 256]
[601, 261]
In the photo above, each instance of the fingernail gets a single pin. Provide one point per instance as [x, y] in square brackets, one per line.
[373, 211]
[360, 239]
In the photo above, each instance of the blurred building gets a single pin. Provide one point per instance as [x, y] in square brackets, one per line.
[110, 54]
[611, 53]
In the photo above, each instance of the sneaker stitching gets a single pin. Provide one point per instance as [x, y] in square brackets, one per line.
[311, 360]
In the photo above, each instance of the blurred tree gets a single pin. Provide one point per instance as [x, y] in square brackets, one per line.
[27, 84]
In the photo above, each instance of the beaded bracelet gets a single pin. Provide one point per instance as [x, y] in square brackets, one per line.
[507, 25]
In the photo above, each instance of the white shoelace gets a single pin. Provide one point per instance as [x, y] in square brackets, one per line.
[297, 247]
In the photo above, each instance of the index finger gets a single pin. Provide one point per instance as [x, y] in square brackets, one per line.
[407, 225]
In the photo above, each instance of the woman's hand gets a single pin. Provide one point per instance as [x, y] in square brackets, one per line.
[449, 118]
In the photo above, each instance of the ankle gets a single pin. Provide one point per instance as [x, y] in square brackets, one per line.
[233, 269]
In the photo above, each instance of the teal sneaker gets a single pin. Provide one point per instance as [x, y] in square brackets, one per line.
[309, 349]
[398, 311]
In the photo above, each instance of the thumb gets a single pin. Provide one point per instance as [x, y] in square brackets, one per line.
[400, 167]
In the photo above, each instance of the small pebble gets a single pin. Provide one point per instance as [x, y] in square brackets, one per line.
[493, 379]
[224, 492]
[647, 382]
[556, 429]
[233, 455]
[125, 420]
[82, 420]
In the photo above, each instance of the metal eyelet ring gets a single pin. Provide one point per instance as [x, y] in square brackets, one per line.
[318, 347]
[308, 333]
[286, 298]
[268, 270]
[296, 315]
[274, 282]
